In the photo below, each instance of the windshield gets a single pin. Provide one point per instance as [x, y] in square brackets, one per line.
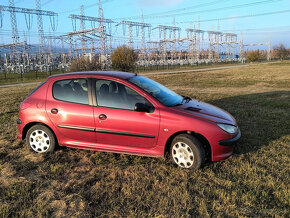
[166, 96]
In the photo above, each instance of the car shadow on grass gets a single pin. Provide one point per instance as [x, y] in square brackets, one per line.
[262, 118]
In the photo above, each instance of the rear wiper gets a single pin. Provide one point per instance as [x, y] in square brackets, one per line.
[186, 99]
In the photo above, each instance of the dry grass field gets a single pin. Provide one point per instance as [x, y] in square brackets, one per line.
[79, 183]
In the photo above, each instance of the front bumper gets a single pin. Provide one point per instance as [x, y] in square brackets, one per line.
[232, 141]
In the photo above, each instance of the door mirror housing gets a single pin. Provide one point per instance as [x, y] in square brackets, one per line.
[140, 107]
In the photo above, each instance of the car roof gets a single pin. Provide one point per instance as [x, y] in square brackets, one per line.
[116, 74]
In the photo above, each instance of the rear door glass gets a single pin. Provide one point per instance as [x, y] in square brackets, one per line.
[71, 90]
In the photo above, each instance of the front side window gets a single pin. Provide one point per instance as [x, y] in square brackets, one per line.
[166, 96]
[71, 90]
[116, 95]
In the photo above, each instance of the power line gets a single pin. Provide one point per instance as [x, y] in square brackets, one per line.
[6, 32]
[85, 7]
[262, 29]
[46, 2]
[18, 1]
[201, 11]
[180, 9]
[241, 17]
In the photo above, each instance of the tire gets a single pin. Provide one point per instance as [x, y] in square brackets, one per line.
[187, 152]
[40, 139]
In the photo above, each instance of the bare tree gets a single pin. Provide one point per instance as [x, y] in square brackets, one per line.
[124, 58]
[282, 52]
[85, 64]
[253, 56]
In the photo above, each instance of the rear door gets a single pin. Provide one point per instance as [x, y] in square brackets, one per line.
[68, 108]
[117, 124]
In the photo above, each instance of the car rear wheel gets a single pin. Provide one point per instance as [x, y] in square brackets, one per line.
[40, 139]
[187, 152]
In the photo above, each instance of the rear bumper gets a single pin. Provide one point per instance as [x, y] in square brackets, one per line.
[20, 128]
[232, 141]
[19, 136]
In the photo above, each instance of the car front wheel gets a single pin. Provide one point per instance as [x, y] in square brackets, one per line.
[187, 152]
[40, 139]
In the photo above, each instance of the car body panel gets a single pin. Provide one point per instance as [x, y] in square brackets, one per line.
[127, 128]
[175, 121]
[207, 111]
[73, 121]
[125, 131]
[32, 109]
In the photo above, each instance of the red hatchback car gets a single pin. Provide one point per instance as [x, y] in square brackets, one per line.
[126, 113]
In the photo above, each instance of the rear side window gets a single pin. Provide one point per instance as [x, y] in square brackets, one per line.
[71, 90]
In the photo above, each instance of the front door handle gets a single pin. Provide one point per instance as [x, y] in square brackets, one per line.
[102, 116]
[54, 111]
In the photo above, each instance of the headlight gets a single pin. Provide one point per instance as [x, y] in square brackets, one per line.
[228, 128]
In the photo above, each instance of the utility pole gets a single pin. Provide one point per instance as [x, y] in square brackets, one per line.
[173, 41]
[102, 34]
[195, 36]
[210, 50]
[39, 26]
[241, 48]
[217, 41]
[96, 19]
[15, 36]
[163, 42]
[83, 27]
[269, 50]
[143, 38]
[130, 25]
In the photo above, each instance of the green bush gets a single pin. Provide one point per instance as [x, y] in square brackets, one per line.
[85, 64]
[253, 56]
[124, 59]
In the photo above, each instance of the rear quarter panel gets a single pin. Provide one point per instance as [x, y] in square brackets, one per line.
[32, 109]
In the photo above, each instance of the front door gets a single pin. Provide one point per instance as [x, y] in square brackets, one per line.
[68, 108]
[117, 124]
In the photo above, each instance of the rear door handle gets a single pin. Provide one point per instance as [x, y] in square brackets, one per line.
[102, 116]
[54, 111]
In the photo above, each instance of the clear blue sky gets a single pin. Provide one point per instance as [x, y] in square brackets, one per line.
[254, 29]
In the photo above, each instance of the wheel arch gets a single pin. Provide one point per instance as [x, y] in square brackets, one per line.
[31, 124]
[205, 143]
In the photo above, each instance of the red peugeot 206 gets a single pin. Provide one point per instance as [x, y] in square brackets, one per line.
[125, 113]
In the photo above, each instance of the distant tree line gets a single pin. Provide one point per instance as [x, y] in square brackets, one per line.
[279, 51]
[124, 58]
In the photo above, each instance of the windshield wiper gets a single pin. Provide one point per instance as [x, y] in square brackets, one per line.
[186, 99]
[178, 104]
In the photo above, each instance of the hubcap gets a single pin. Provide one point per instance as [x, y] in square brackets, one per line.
[182, 155]
[39, 141]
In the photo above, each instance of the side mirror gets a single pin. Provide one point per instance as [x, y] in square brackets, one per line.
[140, 107]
